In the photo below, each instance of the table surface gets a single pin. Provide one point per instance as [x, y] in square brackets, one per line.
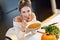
[37, 36]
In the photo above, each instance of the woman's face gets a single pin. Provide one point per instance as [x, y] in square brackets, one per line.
[26, 12]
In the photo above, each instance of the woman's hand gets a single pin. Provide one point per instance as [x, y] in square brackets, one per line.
[24, 24]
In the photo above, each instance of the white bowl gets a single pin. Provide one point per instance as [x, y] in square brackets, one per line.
[32, 29]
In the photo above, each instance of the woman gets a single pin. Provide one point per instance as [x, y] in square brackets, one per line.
[20, 22]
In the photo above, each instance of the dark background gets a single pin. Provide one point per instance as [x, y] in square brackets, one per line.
[42, 9]
[58, 4]
[9, 10]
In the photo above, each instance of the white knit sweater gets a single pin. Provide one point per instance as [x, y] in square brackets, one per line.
[14, 33]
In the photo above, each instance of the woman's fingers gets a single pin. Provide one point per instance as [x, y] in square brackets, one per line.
[24, 23]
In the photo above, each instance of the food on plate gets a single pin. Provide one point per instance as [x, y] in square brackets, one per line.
[51, 31]
[35, 25]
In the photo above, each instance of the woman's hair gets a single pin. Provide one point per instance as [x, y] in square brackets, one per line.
[23, 3]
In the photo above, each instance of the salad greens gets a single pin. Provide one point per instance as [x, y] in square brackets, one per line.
[52, 29]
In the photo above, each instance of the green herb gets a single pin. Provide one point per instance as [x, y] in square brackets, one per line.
[52, 29]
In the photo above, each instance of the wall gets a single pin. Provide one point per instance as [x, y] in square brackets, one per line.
[10, 10]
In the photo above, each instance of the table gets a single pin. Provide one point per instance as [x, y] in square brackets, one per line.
[37, 36]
